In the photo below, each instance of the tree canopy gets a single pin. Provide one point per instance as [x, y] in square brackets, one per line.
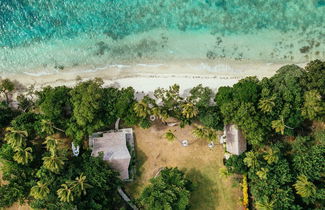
[169, 190]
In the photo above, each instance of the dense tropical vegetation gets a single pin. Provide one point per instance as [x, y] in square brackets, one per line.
[169, 190]
[281, 117]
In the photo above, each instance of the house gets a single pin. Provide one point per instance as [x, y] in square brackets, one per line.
[113, 145]
[234, 139]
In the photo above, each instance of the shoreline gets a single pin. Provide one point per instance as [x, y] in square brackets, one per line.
[146, 77]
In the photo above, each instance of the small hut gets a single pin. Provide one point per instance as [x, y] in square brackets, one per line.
[235, 141]
[113, 146]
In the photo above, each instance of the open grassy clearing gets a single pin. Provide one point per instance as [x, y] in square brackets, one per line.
[211, 190]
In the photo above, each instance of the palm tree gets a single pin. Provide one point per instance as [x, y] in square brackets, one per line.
[189, 110]
[170, 136]
[313, 105]
[142, 109]
[279, 125]
[271, 156]
[80, 185]
[48, 127]
[54, 163]
[262, 174]
[199, 132]
[304, 187]
[205, 133]
[251, 159]
[160, 113]
[40, 191]
[23, 156]
[16, 138]
[266, 104]
[265, 204]
[51, 143]
[65, 193]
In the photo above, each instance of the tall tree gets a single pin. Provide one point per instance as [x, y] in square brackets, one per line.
[208, 134]
[80, 185]
[16, 138]
[55, 104]
[200, 96]
[54, 162]
[142, 109]
[169, 190]
[313, 107]
[6, 87]
[23, 155]
[40, 191]
[51, 144]
[304, 187]
[88, 105]
[266, 104]
[189, 110]
[65, 193]
[278, 126]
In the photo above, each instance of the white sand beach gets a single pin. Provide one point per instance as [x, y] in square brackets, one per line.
[147, 77]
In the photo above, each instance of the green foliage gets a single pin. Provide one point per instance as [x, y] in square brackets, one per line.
[10, 193]
[266, 104]
[304, 187]
[170, 99]
[40, 191]
[23, 155]
[169, 190]
[6, 86]
[247, 90]
[235, 164]
[224, 95]
[54, 162]
[16, 138]
[87, 102]
[6, 115]
[29, 122]
[55, 104]
[313, 77]
[200, 96]
[314, 106]
[285, 85]
[308, 158]
[143, 108]
[169, 135]
[211, 117]
[208, 134]
[189, 110]
[86, 99]
[145, 123]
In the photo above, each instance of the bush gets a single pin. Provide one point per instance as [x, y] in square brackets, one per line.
[235, 164]
[169, 190]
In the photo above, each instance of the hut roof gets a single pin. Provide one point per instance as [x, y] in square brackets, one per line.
[235, 141]
[113, 145]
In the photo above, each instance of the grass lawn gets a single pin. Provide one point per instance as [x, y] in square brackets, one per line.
[202, 164]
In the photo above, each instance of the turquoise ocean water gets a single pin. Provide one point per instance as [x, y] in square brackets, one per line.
[47, 35]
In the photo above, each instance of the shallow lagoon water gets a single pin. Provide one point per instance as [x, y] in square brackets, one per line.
[49, 35]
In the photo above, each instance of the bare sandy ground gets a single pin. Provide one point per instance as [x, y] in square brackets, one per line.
[200, 163]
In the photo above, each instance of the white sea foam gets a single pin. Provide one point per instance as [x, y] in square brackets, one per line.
[38, 74]
[151, 65]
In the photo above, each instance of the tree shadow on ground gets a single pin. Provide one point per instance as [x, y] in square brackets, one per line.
[141, 158]
[133, 187]
[204, 190]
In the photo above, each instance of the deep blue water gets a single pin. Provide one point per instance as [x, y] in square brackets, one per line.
[27, 25]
